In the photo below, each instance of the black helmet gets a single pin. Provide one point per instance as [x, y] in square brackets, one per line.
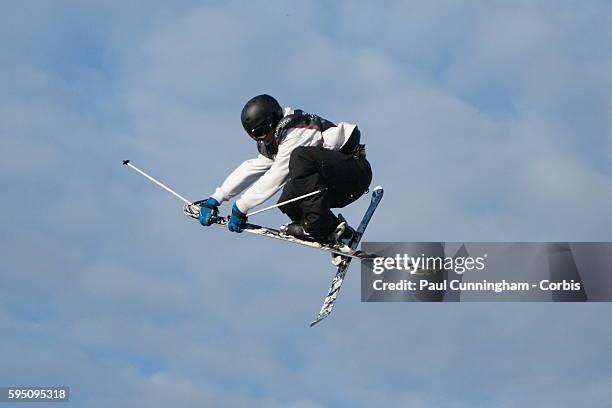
[260, 115]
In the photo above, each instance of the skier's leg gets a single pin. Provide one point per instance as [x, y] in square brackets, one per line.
[292, 210]
[347, 172]
[305, 173]
[313, 168]
[348, 178]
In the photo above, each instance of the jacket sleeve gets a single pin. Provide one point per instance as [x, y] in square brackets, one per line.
[242, 177]
[278, 174]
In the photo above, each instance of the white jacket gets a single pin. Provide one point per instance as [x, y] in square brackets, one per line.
[266, 176]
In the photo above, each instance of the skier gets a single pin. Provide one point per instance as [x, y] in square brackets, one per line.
[304, 153]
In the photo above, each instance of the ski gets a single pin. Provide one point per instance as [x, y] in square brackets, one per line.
[345, 251]
[332, 294]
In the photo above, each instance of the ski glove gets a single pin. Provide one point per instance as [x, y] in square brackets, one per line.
[237, 221]
[208, 211]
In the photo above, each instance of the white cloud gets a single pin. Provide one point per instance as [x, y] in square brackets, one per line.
[482, 122]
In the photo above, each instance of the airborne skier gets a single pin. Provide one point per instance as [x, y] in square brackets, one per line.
[304, 153]
[321, 166]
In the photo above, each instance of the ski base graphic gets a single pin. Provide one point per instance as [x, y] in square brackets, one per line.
[332, 294]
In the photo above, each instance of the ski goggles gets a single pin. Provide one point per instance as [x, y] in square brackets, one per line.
[260, 131]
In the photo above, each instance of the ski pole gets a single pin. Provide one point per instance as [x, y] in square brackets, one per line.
[286, 202]
[168, 189]
[127, 163]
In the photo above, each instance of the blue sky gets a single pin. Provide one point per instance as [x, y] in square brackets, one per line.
[483, 121]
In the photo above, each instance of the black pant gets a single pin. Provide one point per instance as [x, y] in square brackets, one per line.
[312, 168]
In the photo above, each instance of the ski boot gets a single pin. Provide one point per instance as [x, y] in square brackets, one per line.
[342, 237]
[296, 229]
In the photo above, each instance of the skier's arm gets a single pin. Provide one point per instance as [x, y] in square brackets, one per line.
[242, 177]
[277, 175]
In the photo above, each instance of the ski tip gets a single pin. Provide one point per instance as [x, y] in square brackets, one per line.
[378, 188]
[320, 317]
[126, 162]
